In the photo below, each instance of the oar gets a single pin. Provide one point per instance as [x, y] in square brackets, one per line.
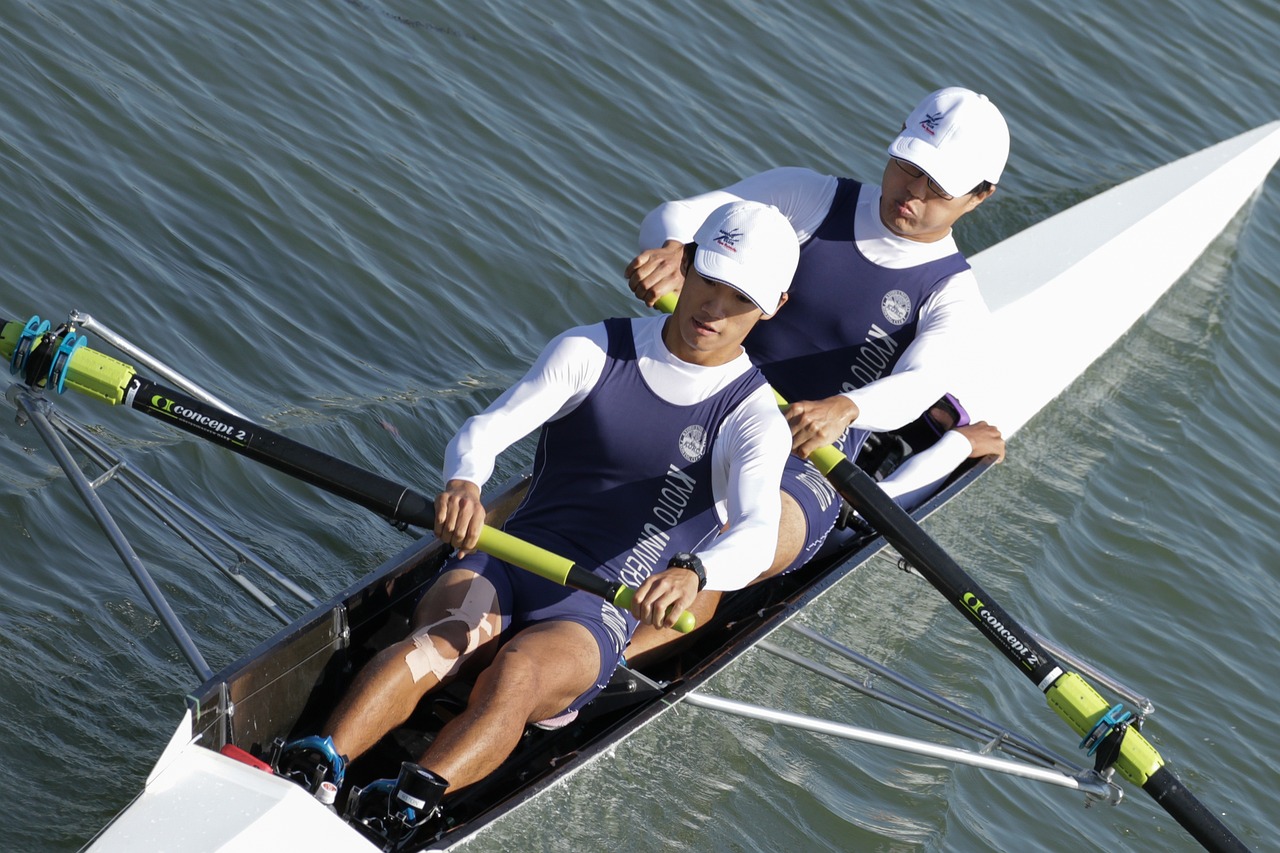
[63, 361]
[1105, 729]
[563, 571]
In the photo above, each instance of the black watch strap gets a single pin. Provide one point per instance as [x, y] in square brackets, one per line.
[685, 560]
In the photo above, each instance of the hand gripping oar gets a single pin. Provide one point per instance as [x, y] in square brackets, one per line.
[44, 361]
[518, 552]
[1104, 730]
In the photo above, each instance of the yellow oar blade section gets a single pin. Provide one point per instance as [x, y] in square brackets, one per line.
[1082, 707]
[88, 372]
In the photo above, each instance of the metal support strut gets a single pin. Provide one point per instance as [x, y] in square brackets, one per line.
[1028, 759]
[36, 410]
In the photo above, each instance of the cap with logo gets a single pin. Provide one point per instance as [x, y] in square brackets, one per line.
[751, 247]
[958, 137]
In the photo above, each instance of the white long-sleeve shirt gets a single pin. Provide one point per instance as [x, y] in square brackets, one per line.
[747, 459]
[953, 321]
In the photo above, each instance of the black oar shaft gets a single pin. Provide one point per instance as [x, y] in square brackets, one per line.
[1067, 693]
[901, 530]
[114, 382]
[1203, 825]
[350, 482]
[399, 503]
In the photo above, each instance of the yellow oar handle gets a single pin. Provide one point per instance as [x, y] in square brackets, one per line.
[565, 572]
[667, 303]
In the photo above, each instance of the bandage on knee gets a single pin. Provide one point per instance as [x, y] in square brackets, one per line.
[474, 613]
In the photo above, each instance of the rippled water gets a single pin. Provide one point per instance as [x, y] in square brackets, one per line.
[358, 221]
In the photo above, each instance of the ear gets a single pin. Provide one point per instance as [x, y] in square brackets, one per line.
[978, 198]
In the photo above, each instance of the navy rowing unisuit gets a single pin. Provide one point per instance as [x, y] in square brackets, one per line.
[847, 320]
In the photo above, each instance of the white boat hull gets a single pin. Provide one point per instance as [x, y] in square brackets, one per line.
[1099, 266]
[200, 800]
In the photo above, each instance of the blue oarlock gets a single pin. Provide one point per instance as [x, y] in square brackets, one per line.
[34, 328]
[62, 359]
[1105, 726]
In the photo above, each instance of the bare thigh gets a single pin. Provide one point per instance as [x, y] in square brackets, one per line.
[543, 669]
[792, 531]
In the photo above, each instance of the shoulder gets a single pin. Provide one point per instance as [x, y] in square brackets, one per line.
[960, 289]
[803, 195]
[792, 174]
[580, 339]
[757, 421]
[784, 184]
[575, 355]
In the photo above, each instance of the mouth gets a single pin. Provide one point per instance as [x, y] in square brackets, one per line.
[703, 329]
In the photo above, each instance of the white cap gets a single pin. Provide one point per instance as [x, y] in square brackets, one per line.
[752, 248]
[958, 137]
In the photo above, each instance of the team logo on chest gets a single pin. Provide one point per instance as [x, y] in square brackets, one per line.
[896, 306]
[693, 442]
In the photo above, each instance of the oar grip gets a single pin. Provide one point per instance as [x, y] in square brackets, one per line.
[553, 567]
[667, 303]
[686, 623]
[825, 459]
[524, 554]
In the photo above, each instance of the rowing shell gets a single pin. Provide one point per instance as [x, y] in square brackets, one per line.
[1122, 249]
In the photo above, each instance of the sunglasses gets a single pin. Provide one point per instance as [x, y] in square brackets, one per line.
[914, 172]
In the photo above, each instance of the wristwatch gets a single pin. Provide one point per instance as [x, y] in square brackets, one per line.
[685, 560]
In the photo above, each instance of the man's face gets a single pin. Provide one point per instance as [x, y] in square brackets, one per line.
[912, 207]
[710, 321]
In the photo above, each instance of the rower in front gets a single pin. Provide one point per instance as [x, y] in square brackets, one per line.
[659, 462]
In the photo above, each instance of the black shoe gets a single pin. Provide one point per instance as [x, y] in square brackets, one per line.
[396, 813]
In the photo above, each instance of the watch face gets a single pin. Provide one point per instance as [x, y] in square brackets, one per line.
[685, 560]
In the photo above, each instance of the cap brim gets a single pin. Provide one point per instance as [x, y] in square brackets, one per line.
[926, 157]
[717, 267]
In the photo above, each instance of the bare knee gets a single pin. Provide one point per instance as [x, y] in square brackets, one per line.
[456, 618]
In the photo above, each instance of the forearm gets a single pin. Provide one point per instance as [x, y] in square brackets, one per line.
[896, 400]
[752, 460]
[923, 472]
[679, 220]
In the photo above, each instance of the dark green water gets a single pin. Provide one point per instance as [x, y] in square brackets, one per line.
[360, 220]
